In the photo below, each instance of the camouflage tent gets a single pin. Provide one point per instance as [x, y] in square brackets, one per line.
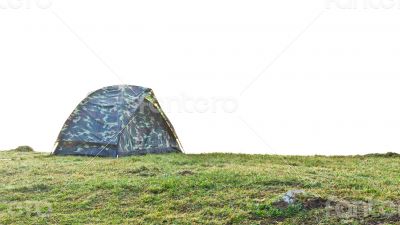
[117, 121]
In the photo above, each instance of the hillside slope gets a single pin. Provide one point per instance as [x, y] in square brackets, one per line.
[36, 188]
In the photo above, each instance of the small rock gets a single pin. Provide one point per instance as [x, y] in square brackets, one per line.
[306, 200]
[290, 196]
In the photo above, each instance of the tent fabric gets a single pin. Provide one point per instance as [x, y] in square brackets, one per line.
[117, 121]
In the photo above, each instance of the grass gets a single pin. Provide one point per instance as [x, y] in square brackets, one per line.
[37, 188]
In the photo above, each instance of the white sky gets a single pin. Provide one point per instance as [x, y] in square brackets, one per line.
[277, 77]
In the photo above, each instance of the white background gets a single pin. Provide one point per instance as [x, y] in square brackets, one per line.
[276, 77]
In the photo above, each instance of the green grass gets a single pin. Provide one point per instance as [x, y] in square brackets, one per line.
[37, 188]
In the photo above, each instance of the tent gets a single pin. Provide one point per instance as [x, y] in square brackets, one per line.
[117, 121]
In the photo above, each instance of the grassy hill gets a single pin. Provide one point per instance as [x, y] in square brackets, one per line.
[37, 188]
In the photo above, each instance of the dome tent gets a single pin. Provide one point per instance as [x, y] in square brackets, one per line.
[117, 121]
